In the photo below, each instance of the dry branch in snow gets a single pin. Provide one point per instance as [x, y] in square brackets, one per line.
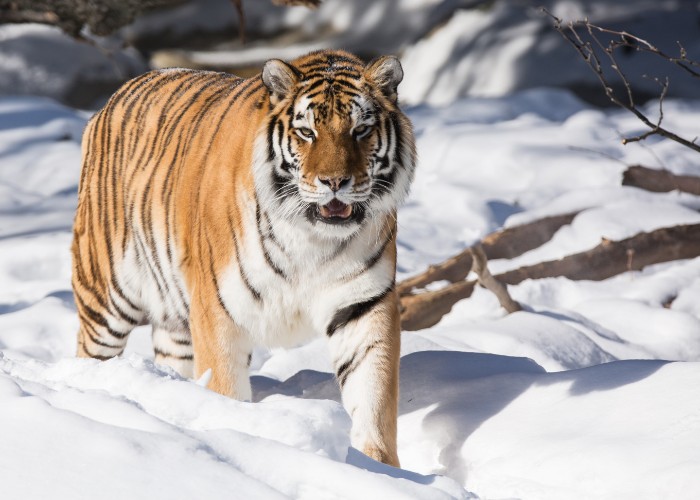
[504, 244]
[486, 279]
[660, 181]
[608, 259]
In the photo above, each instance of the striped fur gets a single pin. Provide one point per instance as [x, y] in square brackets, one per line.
[230, 213]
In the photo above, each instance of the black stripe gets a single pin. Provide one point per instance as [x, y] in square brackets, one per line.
[279, 183]
[270, 137]
[95, 339]
[347, 368]
[369, 263]
[244, 276]
[181, 341]
[99, 319]
[266, 254]
[355, 311]
[164, 354]
[120, 312]
[387, 184]
[312, 86]
[271, 234]
[398, 147]
[97, 356]
[212, 272]
[332, 75]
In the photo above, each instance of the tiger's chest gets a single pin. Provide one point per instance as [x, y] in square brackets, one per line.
[286, 286]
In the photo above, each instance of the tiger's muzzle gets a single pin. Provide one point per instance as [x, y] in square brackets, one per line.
[336, 212]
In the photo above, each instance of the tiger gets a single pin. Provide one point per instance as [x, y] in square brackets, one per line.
[231, 213]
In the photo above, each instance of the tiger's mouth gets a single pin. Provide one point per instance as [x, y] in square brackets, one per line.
[335, 209]
[336, 212]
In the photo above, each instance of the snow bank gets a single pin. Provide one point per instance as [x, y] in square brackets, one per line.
[133, 429]
[42, 60]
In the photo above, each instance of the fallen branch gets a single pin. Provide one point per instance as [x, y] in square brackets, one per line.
[486, 279]
[660, 181]
[608, 259]
[503, 244]
[426, 309]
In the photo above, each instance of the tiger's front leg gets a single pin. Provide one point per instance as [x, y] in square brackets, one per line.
[365, 344]
[220, 346]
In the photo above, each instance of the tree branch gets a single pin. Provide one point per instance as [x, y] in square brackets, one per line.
[486, 279]
[608, 259]
[504, 244]
[660, 181]
[587, 51]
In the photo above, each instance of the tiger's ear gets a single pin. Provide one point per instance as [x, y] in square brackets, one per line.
[279, 78]
[386, 73]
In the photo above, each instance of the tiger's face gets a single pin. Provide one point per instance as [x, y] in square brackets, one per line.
[338, 148]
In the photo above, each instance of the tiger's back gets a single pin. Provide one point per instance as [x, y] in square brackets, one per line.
[229, 213]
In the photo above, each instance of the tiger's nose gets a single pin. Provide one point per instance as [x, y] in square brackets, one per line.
[335, 183]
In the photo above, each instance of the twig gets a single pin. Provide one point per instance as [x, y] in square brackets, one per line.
[639, 44]
[486, 279]
[588, 53]
[594, 151]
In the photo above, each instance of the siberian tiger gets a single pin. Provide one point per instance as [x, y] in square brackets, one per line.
[231, 212]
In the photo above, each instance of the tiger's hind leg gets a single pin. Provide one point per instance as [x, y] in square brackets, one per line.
[173, 348]
[104, 325]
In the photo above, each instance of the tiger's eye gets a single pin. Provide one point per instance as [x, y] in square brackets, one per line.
[361, 131]
[305, 133]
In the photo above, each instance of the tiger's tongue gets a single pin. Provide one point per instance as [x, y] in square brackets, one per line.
[336, 208]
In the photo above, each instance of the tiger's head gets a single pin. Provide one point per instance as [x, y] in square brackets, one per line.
[337, 148]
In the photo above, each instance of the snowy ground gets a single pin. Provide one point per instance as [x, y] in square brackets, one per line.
[581, 396]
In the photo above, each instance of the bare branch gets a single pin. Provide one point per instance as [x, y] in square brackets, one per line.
[586, 49]
[503, 244]
[640, 45]
[608, 259]
[486, 279]
[660, 181]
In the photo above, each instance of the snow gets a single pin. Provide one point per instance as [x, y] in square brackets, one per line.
[505, 46]
[42, 60]
[590, 392]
